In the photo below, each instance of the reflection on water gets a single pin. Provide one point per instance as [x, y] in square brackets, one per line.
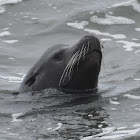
[54, 114]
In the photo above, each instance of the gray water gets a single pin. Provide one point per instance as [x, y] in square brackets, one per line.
[28, 28]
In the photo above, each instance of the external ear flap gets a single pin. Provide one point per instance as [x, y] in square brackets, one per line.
[30, 81]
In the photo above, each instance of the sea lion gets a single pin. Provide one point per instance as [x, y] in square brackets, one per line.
[69, 69]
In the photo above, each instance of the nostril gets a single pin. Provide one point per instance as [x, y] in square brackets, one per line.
[89, 36]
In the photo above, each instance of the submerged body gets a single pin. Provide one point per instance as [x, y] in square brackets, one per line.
[67, 68]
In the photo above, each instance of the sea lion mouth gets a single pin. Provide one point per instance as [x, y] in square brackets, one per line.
[85, 48]
[74, 91]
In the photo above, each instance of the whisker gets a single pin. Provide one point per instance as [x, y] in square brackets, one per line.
[72, 66]
[71, 62]
[88, 46]
[84, 53]
[68, 67]
[80, 54]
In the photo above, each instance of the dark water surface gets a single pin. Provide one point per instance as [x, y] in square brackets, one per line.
[28, 28]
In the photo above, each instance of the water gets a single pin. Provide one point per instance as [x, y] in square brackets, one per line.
[28, 28]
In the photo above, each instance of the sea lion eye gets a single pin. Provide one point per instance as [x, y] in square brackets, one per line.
[101, 45]
[58, 56]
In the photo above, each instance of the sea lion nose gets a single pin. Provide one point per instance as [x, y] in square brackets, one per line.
[92, 43]
[89, 37]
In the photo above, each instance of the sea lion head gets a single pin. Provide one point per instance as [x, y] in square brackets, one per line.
[66, 68]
